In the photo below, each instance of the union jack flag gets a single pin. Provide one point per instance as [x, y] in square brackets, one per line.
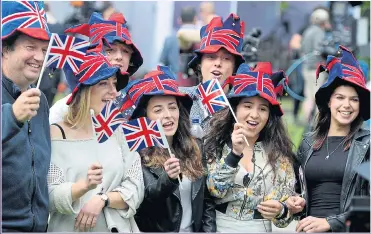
[67, 52]
[211, 96]
[106, 122]
[142, 133]
[25, 14]
[106, 28]
[353, 73]
[259, 81]
[229, 33]
[154, 83]
[228, 37]
[92, 63]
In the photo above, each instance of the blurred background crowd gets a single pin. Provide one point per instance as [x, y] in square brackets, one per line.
[280, 32]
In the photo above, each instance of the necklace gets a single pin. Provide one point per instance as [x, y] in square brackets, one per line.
[329, 154]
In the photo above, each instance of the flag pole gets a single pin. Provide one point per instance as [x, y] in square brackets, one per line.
[96, 139]
[166, 143]
[45, 60]
[230, 108]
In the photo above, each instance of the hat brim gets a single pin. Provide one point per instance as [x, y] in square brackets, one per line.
[324, 93]
[185, 99]
[36, 33]
[213, 49]
[106, 73]
[122, 79]
[275, 105]
[136, 59]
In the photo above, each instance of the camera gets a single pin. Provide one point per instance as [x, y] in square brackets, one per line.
[250, 45]
[358, 219]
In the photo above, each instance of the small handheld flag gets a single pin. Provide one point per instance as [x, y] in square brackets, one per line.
[142, 133]
[106, 122]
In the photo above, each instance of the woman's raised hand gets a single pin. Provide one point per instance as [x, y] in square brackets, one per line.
[94, 176]
[172, 167]
[238, 141]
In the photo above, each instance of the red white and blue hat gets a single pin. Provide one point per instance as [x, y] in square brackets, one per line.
[160, 82]
[218, 34]
[27, 17]
[343, 70]
[259, 81]
[113, 29]
[95, 68]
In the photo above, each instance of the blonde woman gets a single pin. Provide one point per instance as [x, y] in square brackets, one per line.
[92, 187]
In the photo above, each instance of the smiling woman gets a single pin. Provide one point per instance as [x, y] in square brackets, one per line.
[250, 182]
[168, 207]
[100, 189]
[327, 157]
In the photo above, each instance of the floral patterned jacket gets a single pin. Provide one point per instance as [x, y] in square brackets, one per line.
[225, 183]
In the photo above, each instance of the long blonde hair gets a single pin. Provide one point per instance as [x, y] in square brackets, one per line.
[79, 108]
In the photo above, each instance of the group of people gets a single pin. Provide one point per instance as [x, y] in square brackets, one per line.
[241, 176]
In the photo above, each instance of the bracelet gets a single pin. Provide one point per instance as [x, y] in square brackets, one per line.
[284, 211]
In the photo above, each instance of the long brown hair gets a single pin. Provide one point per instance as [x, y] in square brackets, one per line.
[273, 136]
[184, 146]
[323, 121]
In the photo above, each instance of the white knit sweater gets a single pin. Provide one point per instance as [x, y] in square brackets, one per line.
[121, 172]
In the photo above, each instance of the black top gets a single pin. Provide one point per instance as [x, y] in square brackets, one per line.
[324, 178]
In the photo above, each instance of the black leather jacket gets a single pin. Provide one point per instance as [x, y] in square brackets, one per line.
[161, 209]
[353, 185]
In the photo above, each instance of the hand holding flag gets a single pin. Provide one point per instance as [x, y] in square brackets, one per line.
[213, 98]
[142, 133]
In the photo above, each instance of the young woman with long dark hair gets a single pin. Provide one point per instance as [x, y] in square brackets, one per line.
[167, 206]
[250, 182]
[328, 156]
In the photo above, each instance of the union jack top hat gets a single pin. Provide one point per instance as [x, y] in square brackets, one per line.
[259, 81]
[113, 29]
[343, 70]
[160, 82]
[218, 34]
[27, 17]
[95, 68]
